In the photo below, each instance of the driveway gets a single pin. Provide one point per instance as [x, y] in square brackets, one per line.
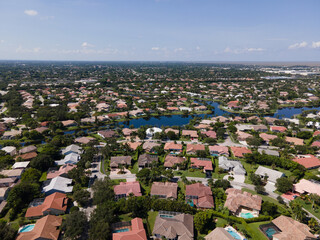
[237, 178]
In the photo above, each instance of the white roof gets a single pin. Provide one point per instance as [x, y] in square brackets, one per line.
[72, 148]
[59, 184]
[21, 164]
[273, 175]
[72, 158]
[9, 149]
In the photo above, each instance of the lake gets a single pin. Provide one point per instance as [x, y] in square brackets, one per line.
[180, 120]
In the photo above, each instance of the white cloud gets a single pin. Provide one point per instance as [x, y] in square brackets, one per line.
[197, 48]
[20, 49]
[255, 49]
[86, 44]
[178, 50]
[31, 12]
[316, 44]
[155, 48]
[298, 45]
[243, 50]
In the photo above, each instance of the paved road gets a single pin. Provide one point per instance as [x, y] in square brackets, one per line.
[228, 142]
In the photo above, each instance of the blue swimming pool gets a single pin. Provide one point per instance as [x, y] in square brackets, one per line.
[246, 215]
[234, 234]
[26, 228]
[166, 216]
[270, 232]
[121, 230]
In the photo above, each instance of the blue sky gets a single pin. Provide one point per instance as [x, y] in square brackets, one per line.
[161, 30]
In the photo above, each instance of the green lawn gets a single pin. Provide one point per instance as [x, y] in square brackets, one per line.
[182, 187]
[135, 168]
[221, 222]
[307, 205]
[125, 217]
[43, 177]
[256, 230]
[152, 218]
[192, 173]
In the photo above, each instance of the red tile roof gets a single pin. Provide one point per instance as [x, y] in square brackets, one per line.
[137, 232]
[240, 151]
[128, 188]
[206, 164]
[308, 161]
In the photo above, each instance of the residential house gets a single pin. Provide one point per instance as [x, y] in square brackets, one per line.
[135, 231]
[11, 150]
[107, 133]
[57, 184]
[7, 135]
[291, 229]
[193, 148]
[239, 151]
[72, 149]
[268, 152]
[242, 136]
[13, 173]
[62, 172]
[125, 189]
[278, 129]
[127, 131]
[176, 131]
[72, 158]
[231, 165]
[199, 195]
[219, 233]
[240, 203]
[146, 160]
[170, 161]
[173, 147]
[192, 134]
[45, 228]
[28, 149]
[150, 146]
[151, 131]
[167, 190]
[54, 204]
[202, 163]
[84, 140]
[210, 134]
[308, 161]
[272, 175]
[173, 226]
[260, 128]
[27, 156]
[307, 187]
[294, 140]
[133, 145]
[41, 129]
[21, 165]
[69, 123]
[267, 137]
[115, 162]
[217, 150]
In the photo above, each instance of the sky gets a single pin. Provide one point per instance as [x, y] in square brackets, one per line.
[160, 30]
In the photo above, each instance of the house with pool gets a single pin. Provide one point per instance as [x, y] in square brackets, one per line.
[284, 228]
[129, 230]
[243, 204]
[199, 195]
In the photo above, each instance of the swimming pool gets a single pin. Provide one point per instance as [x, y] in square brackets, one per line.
[270, 232]
[26, 228]
[121, 230]
[166, 216]
[234, 234]
[246, 215]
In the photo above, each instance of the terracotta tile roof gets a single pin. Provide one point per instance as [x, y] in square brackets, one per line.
[84, 140]
[291, 229]
[128, 188]
[193, 148]
[278, 129]
[179, 226]
[219, 149]
[206, 164]
[133, 145]
[295, 141]
[45, 228]
[308, 161]
[173, 146]
[203, 194]
[64, 169]
[27, 156]
[267, 137]
[171, 160]
[124, 160]
[167, 189]
[211, 134]
[236, 199]
[137, 232]
[240, 151]
[57, 201]
[190, 133]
